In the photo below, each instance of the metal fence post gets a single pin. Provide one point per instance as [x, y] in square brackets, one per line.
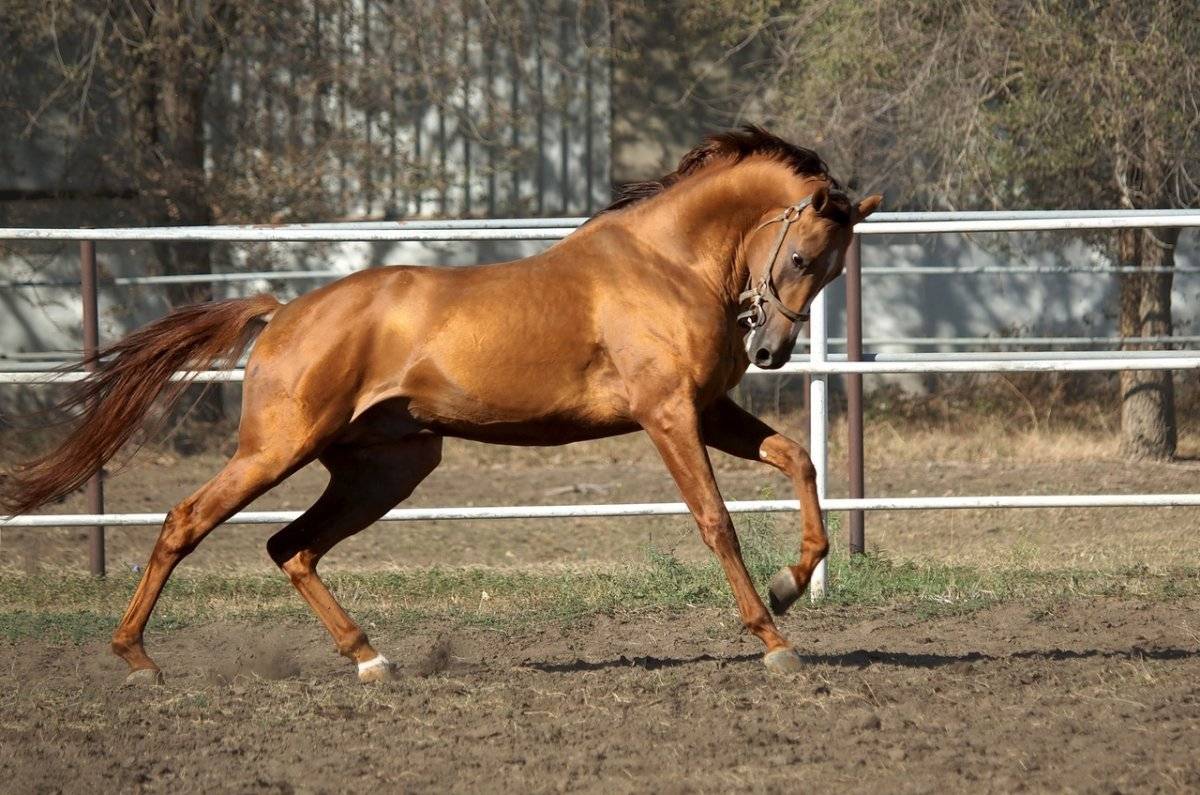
[807, 376]
[91, 343]
[854, 391]
[818, 420]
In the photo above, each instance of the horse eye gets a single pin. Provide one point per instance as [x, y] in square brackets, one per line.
[797, 260]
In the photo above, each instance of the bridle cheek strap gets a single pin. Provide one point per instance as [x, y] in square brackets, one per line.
[755, 315]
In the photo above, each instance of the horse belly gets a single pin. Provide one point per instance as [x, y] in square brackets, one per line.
[499, 422]
[539, 407]
[540, 433]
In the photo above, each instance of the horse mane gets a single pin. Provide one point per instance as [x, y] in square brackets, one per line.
[733, 145]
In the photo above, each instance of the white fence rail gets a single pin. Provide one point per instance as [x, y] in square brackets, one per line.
[649, 509]
[819, 364]
[834, 364]
[226, 277]
[882, 223]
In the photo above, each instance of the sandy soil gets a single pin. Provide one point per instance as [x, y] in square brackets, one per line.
[628, 470]
[1085, 696]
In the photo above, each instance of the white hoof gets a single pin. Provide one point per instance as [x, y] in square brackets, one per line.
[376, 669]
[783, 661]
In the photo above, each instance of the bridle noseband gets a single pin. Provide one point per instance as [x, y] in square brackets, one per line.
[755, 315]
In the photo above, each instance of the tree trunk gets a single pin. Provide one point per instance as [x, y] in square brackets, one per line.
[1148, 396]
[186, 198]
[185, 66]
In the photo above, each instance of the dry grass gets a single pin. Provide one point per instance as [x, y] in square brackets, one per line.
[972, 436]
[1020, 417]
[70, 606]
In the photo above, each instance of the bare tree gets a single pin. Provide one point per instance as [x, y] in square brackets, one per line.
[281, 110]
[226, 111]
[1098, 108]
[1030, 103]
[153, 62]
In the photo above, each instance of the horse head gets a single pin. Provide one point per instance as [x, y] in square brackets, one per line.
[792, 255]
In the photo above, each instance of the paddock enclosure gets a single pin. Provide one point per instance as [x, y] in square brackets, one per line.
[817, 364]
[557, 621]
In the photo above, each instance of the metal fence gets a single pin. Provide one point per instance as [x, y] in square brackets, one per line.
[818, 363]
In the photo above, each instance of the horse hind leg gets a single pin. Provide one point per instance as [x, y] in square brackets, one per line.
[243, 478]
[364, 484]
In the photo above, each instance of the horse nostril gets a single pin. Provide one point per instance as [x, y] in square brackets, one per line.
[762, 357]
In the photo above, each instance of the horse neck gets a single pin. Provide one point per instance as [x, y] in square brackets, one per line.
[707, 221]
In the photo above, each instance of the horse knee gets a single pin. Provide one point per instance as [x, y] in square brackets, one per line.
[800, 464]
[791, 457]
[718, 533]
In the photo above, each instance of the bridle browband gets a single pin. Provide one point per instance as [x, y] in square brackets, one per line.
[755, 315]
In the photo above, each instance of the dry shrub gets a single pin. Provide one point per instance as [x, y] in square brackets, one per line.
[1023, 416]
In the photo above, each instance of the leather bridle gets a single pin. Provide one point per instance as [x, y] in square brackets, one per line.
[755, 315]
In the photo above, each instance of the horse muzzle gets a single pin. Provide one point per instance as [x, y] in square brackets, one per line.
[768, 349]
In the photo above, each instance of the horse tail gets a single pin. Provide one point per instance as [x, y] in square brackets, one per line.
[129, 377]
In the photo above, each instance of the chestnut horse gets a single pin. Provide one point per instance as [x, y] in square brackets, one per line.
[644, 318]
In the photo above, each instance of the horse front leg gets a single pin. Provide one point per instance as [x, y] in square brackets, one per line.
[674, 427]
[730, 428]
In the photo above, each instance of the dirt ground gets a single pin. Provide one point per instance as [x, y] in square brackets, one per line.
[1084, 696]
[1080, 695]
[628, 470]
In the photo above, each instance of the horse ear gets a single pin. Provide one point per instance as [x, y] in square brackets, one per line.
[820, 200]
[867, 206]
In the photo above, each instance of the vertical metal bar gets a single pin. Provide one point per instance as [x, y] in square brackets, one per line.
[493, 129]
[854, 390]
[589, 144]
[818, 421]
[418, 111]
[807, 332]
[443, 168]
[564, 142]
[368, 176]
[340, 72]
[514, 77]
[462, 127]
[393, 128]
[91, 343]
[540, 106]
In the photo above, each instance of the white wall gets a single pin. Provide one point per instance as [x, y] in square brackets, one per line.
[1082, 304]
[1013, 304]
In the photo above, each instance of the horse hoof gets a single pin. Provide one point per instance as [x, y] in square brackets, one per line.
[377, 669]
[783, 591]
[783, 661]
[144, 677]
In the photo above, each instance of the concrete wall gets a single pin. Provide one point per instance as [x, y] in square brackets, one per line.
[1084, 304]
[1016, 304]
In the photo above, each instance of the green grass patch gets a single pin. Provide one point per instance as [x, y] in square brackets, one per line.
[79, 608]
